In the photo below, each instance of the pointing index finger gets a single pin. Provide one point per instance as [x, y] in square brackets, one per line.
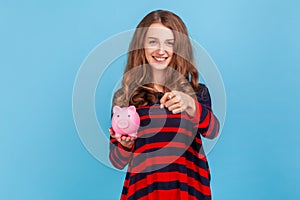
[164, 98]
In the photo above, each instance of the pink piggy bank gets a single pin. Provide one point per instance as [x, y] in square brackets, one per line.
[125, 121]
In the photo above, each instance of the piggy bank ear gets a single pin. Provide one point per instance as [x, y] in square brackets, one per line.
[131, 108]
[116, 109]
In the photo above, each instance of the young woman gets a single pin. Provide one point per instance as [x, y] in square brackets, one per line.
[166, 160]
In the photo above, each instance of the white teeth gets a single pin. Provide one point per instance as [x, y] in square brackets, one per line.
[160, 58]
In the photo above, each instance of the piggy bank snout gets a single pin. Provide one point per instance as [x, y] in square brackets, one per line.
[123, 124]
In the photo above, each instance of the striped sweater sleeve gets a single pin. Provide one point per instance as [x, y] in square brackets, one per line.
[119, 155]
[205, 121]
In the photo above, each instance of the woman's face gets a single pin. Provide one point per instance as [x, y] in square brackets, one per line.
[158, 45]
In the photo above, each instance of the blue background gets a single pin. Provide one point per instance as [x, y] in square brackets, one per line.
[255, 45]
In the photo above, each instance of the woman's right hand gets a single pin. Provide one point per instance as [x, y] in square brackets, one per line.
[126, 141]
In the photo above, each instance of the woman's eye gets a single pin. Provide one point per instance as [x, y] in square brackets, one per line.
[170, 43]
[152, 42]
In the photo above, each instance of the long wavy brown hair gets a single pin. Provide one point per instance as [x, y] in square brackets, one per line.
[181, 74]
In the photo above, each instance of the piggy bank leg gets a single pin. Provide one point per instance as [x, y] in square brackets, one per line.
[133, 134]
[117, 135]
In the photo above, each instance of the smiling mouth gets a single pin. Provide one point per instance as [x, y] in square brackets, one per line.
[159, 59]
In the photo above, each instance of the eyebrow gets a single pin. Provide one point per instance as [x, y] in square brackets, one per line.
[157, 38]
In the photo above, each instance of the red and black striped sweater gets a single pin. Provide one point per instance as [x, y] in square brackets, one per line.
[167, 160]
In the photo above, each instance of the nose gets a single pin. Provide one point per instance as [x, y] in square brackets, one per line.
[161, 49]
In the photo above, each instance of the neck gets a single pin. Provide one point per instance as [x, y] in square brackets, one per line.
[158, 79]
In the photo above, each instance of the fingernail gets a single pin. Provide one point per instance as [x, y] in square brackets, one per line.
[161, 106]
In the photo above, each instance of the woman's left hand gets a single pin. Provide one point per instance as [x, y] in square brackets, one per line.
[177, 102]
